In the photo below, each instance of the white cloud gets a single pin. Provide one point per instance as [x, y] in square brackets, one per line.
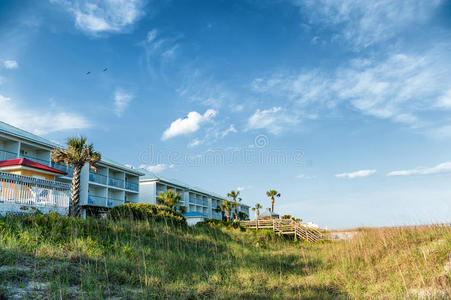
[103, 16]
[274, 120]
[194, 143]
[404, 88]
[170, 53]
[440, 168]
[189, 124]
[243, 188]
[152, 35]
[365, 23]
[228, 130]
[303, 176]
[356, 174]
[10, 64]
[39, 121]
[445, 100]
[202, 88]
[121, 100]
[158, 168]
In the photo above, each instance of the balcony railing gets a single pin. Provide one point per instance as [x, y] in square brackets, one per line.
[97, 178]
[6, 155]
[24, 190]
[104, 201]
[116, 182]
[64, 168]
[131, 186]
[39, 160]
[115, 202]
[97, 201]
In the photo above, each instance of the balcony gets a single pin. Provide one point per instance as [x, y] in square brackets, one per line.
[97, 201]
[6, 155]
[115, 202]
[18, 190]
[97, 178]
[104, 201]
[131, 186]
[116, 182]
[64, 168]
[38, 160]
[34, 158]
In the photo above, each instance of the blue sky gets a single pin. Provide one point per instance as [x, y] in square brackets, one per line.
[342, 106]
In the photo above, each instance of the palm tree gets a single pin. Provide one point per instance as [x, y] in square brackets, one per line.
[257, 211]
[234, 196]
[182, 210]
[272, 194]
[225, 206]
[169, 198]
[77, 154]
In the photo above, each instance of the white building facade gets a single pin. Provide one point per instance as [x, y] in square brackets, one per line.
[194, 199]
[113, 184]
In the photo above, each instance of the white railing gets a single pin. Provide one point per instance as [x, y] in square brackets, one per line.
[29, 191]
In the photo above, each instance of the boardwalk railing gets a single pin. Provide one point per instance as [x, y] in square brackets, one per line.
[18, 193]
[281, 226]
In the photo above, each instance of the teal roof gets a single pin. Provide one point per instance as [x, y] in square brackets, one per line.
[17, 132]
[150, 176]
[20, 133]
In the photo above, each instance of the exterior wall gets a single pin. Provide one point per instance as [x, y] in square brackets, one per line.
[31, 173]
[147, 192]
[193, 200]
[191, 221]
[110, 186]
[21, 209]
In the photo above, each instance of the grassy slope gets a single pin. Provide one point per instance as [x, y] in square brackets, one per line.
[54, 257]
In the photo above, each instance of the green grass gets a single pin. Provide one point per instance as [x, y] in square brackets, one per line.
[54, 257]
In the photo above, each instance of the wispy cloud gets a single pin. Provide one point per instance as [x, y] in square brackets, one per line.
[94, 17]
[194, 143]
[356, 174]
[10, 64]
[274, 120]
[365, 23]
[402, 87]
[121, 100]
[303, 176]
[440, 168]
[191, 123]
[158, 168]
[39, 121]
[204, 89]
[228, 130]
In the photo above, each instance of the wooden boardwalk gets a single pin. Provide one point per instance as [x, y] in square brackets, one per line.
[281, 226]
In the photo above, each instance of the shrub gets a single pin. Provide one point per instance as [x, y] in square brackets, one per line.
[145, 211]
[221, 223]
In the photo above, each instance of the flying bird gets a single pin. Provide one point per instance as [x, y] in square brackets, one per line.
[104, 70]
[88, 73]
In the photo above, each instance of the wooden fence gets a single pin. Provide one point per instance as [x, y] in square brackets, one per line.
[282, 226]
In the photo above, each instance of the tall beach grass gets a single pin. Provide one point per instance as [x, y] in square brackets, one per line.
[49, 256]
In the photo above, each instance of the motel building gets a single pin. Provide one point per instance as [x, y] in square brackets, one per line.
[28, 163]
[199, 204]
[25, 184]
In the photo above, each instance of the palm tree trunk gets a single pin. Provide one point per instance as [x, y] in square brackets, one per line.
[228, 216]
[258, 214]
[74, 208]
[236, 209]
[272, 204]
